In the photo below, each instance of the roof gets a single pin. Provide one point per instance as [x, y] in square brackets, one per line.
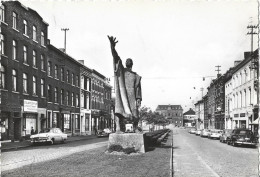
[189, 112]
[172, 107]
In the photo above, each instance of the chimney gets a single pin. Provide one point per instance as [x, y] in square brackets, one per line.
[236, 62]
[81, 61]
[62, 49]
[247, 55]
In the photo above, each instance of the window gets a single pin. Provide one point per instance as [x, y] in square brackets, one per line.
[34, 59]
[25, 55]
[42, 63]
[56, 71]
[77, 121]
[56, 95]
[77, 100]
[42, 88]
[77, 81]
[68, 76]
[2, 77]
[62, 74]
[34, 85]
[72, 78]
[2, 13]
[14, 50]
[49, 68]
[62, 96]
[34, 33]
[67, 98]
[25, 83]
[42, 39]
[2, 44]
[49, 94]
[25, 27]
[14, 80]
[14, 20]
[72, 99]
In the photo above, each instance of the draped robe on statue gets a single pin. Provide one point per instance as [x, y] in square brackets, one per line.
[127, 91]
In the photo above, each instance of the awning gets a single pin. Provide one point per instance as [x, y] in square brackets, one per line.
[255, 122]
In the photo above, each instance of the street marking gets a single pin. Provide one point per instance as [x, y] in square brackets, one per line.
[198, 157]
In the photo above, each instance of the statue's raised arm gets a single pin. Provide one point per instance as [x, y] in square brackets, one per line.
[113, 42]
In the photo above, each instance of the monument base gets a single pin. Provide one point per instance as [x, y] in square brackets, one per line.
[128, 140]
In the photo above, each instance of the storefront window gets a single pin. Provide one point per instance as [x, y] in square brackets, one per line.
[87, 122]
[54, 120]
[67, 121]
[77, 121]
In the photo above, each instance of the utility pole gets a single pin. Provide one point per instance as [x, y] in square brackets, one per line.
[65, 30]
[218, 70]
[252, 33]
[201, 89]
[254, 66]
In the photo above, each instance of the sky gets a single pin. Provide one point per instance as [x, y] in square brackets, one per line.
[173, 44]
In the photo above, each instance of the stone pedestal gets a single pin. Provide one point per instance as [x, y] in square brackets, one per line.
[128, 140]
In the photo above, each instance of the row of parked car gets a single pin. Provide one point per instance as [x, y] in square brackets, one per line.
[235, 137]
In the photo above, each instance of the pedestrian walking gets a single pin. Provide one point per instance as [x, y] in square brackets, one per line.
[32, 131]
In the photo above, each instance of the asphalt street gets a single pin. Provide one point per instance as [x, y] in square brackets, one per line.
[194, 156]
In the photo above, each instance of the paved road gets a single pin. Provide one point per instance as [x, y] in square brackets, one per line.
[26, 156]
[202, 157]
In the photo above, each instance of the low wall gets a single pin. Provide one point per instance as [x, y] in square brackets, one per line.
[128, 140]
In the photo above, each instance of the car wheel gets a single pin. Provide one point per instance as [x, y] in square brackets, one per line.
[234, 144]
[63, 141]
[52, 141]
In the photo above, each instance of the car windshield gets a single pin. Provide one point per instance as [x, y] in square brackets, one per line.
[45, 130]
[215, 131]
[244, 132]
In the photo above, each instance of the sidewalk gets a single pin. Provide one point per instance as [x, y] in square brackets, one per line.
[7, 145]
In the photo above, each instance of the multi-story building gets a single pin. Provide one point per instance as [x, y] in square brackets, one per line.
[85, 99]
[172, 112]
[23, 70]
[211, 105]
[108, 108]
[189, 118]
[228, 99]
[199, 111]
[206, 118]
[63, 91]
[219, 83]
[42, 86]
[244, 93]
[97, 100]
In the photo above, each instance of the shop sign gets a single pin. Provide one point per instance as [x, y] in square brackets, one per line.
[30, 106]
[242, 114]
[236, 115]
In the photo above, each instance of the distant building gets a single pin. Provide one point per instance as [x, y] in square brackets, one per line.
[189, 118]
[172, 112]
[199, 111]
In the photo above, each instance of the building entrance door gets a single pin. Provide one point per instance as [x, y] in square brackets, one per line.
[17, 129]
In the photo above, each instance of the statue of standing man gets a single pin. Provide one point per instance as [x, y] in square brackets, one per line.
[128, 93]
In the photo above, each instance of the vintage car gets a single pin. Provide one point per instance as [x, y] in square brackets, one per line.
[198, 131]
[242, 136]
[224, 135]
[214, 134]
[205, 133]
[192, 131]
[49, 135]
[104, 133]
